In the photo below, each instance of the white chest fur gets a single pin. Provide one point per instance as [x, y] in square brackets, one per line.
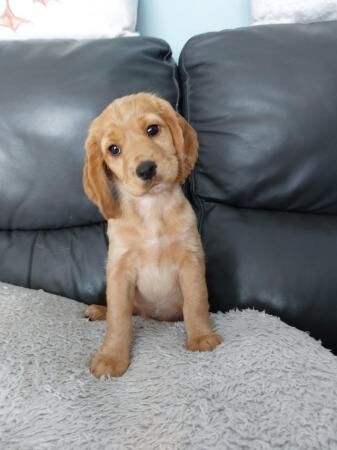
[157, 277]
[150, 249]
[159, 291]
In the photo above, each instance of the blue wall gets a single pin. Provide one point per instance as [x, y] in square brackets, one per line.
[177, 20]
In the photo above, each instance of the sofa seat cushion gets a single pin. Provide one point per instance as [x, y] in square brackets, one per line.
[279, 262]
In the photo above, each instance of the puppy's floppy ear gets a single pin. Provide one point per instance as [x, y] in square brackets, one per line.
[96, 180]
[187, 150]
[184, 138]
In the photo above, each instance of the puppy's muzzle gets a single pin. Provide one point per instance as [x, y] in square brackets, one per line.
[146, 170]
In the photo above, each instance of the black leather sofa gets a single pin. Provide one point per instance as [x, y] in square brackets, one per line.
[264, 103]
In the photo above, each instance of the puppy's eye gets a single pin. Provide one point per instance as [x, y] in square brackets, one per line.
[152, 130]
[114, 150]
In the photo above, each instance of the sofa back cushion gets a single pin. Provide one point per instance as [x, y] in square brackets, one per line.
[263, 100]
[51, 236]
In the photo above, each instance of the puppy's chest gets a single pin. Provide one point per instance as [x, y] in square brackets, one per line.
[151, 247]
[153, 251]
[157, 274]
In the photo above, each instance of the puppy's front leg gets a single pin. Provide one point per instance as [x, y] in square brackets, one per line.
[200, 336]
[113, 357]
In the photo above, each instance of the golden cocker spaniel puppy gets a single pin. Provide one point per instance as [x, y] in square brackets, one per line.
[139, 152]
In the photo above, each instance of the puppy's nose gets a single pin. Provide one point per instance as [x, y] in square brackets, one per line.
[146, 170]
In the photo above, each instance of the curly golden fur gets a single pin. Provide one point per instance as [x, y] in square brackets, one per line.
[139, 152]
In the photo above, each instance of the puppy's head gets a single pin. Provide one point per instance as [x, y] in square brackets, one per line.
[139, 144]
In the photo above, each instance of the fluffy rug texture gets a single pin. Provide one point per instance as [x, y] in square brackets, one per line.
[286, 11]
[269, 386]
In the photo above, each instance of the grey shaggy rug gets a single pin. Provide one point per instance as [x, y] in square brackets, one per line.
[269, 386]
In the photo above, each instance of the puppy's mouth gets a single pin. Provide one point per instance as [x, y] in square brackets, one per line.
[158, 186]
[152, 184]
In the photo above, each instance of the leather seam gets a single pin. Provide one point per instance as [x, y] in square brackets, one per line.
[37, 230]
[265, 209]
[169, 57]
[196, 200]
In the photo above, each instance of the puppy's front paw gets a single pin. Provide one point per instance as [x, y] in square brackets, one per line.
[103, 365]
[206, 343]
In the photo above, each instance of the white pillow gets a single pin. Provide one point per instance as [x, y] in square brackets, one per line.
[78, 19]
[286, 11]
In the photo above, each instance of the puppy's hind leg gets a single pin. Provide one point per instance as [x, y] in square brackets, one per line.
[95, 312]
[98, 312]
